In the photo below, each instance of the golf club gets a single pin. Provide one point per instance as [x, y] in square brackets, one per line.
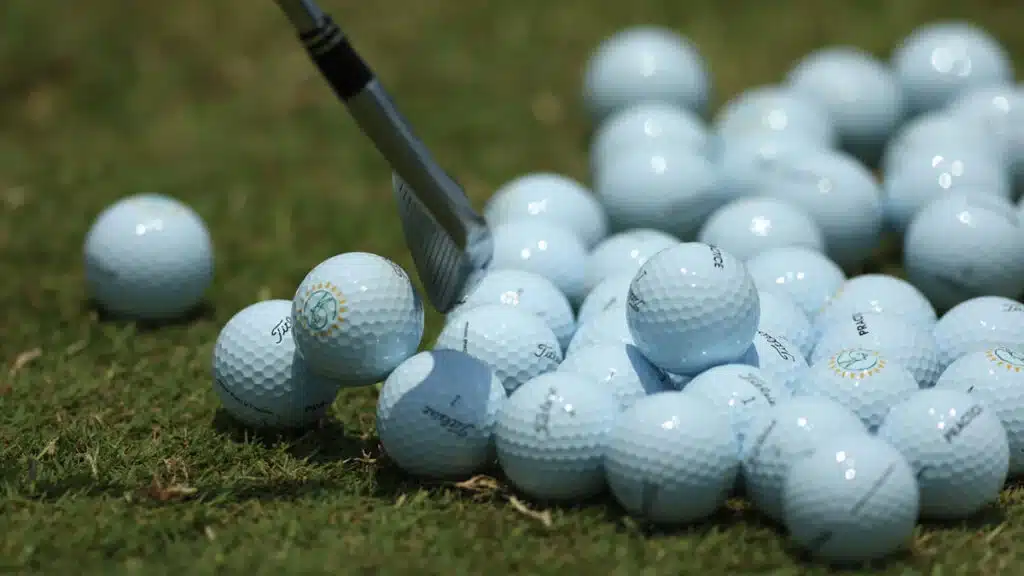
[449, 241]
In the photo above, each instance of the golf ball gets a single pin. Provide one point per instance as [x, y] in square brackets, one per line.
[978, 324]
[621, 368]
[749, 226]
[550, 197]
[624, 253]
[544, 248]
[806, 276]
[740, 389]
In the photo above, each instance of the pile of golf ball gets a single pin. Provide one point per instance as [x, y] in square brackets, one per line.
[700, 321]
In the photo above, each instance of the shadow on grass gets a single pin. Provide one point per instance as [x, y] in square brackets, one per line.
[325, 442]
[985, 519]
[201, 312]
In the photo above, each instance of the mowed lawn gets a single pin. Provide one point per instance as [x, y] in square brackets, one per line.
[114, 458]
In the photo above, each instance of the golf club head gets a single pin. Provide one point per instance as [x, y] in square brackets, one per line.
[447, 260]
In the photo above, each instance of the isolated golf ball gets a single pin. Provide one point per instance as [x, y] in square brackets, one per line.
[544, 248]
[957, 447]
[356, 316]
[621, 368]
[668, 189]
[436, 414]
[853, 500]
[839, 193]
[644, 64]
[878, 294]
[740, 389]
[895, 337]
[549, 197]
[527, 291]
[610, 326]
[999, 111]
[996, 378]
[978, 324]
[691, 307]
[858, 92]
[745, 161]
[778, 358]
[780, 315]
[648, 124]
[964, 246]
[775, 109]
[624, 253]
[806, 276]
[939, 61]
[516, 344]
[777, 437]
[749, 226]
[148, 257]
[937, 136]
[864, 381]
[671, 459]
[259, 376]
[551, 435]
[610, 292]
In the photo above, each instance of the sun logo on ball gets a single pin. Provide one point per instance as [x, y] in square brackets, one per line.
[856, 363]
[1011, 360]
[323, 308]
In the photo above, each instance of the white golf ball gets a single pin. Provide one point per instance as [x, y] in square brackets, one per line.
[864, 381]
[878, 294]
[436, 414]
[780, 315]
[999, 111]
[978, 324]
[740, 389]
[621, 368]
[691, 307]
[671, 459]
[957, 447]
[357, 316]
[778, 358]
[527, 291]
[853, 500]
[148, 257]
[963, 246]
[612, 291]
[624, 253]
[551, 436]
[749, 226]
[775, 109]
[780, 435]
[745, 161]
[995, 377]
[939, 133]
[607, 327]
[648, 124]
[260, 378]
[806, 276]
[644, 64]
[517, 345]
[550, 197]
[544, 248]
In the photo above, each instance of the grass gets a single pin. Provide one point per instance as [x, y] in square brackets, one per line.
[113, 456]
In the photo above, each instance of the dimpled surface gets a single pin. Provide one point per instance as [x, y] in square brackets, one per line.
[895, 337]
[749, 226]
[853, 500]
[609, 326]
[775, 109]
[550, 197]
[978, 324]
[778, 358]
[260, 378]
[527, 291]
[357, 316]
[962, 246]
[859, 93]
[544, 248]
[780, 435]
[620, 368]
[691, 307]
[957, 447]
[436, 414]
[624, 253]
[148, 257]
[996, 378]
[864, 381]
[667, 188]
[838, 192]
[742, 390]
[551, 435]
[517, 345]
[876, 293]
[648, 124]
[939, 61]
[780, 315]
[644, 64]
[671, 459]
[808, 277]
[612, 291]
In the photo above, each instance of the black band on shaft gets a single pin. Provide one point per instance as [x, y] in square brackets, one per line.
[338, 61]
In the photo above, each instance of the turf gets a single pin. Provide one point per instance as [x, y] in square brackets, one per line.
[113, 455]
